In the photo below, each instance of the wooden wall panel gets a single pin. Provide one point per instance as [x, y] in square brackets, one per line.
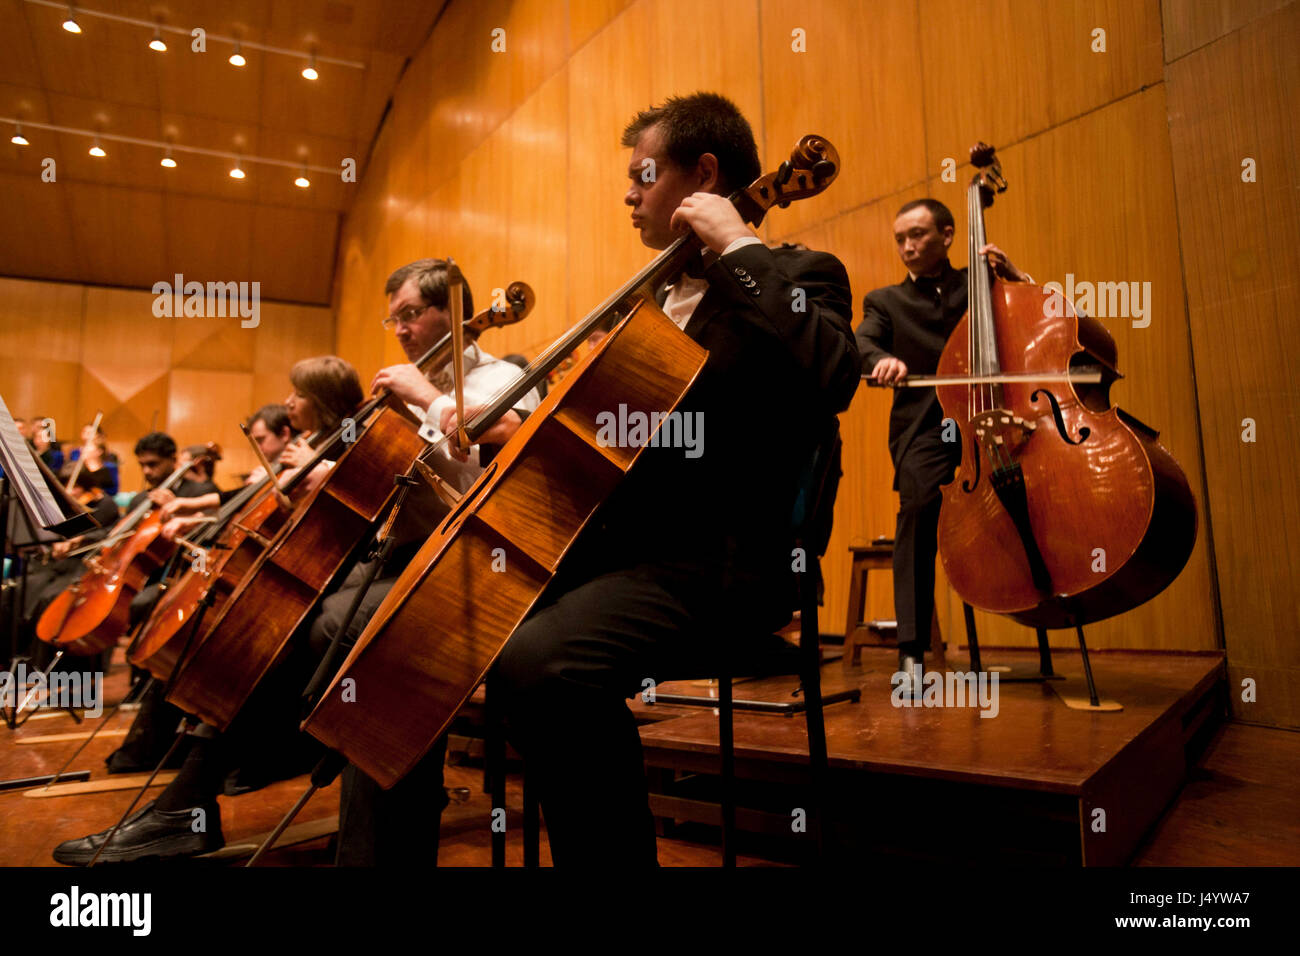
[852, 99]
[1189, 24]
[1002, 70]
[207, 406]
[70, 350]
[1232, 99]
[602, 243]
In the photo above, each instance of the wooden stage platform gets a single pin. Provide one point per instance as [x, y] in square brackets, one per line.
[925, 784]
[1037, 783]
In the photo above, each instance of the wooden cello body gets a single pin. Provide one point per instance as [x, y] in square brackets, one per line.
[441, 626]
[427, 648]
[1065, 510]
[89, 617]
[251, 631]
[160, 644]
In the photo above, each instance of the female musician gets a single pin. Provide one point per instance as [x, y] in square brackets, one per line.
[94, 450]
[325, 390]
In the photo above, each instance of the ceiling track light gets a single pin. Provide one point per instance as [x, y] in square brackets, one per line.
[302, 182]
[236, 172]
[309, 71]
[169, 147]
[157, 42]
[71, 24]
[237, 58]
[168, 161]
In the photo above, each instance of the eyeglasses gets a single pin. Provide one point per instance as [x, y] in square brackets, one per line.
[406, 316]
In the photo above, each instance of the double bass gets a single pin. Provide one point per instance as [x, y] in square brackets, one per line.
[437, 632]
[1065, 509]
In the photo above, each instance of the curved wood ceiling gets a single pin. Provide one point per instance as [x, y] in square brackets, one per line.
[123, 220]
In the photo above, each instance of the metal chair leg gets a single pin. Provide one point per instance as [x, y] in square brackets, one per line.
[727, 751]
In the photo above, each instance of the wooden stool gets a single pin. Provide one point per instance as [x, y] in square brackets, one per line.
[876, 556]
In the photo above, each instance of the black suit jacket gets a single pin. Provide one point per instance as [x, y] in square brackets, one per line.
[782, 360]
[911, 321]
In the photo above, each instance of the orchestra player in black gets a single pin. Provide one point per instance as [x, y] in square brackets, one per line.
[903, 332]
[691, 556]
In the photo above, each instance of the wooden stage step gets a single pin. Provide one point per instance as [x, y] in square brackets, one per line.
[1037, 781]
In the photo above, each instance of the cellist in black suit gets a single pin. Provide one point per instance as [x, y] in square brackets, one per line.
[903, 331]
[692, 551]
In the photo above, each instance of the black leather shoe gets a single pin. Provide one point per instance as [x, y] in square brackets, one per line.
[148, 835]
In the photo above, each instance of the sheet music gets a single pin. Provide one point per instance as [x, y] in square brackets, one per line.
[21, 470]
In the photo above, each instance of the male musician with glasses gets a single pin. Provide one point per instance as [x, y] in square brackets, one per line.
[903, 331]
[397, 827]
[690, 559]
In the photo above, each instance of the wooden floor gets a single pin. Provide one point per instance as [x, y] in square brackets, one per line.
[1237, 808]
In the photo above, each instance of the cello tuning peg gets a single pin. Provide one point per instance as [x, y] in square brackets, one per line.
[822, 169]
[783, 173]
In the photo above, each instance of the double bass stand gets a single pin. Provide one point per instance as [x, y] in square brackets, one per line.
[1045, 670]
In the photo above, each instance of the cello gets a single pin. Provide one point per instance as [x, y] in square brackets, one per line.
[251, 631]
[90, 616]
[439, 629]
[1065, 509]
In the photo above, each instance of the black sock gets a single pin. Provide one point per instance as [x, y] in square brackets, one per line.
[200, 778]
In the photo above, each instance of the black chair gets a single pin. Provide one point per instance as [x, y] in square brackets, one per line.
[811, 519]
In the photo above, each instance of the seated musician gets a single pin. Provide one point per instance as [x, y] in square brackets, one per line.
[903, 331]
[61, 571]
[156, 455]
[38, 435]
[325, 391]
[690, 554]
[270, 429]
[376, 827]
[97, 456]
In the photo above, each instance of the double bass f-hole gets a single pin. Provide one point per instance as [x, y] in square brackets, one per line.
[1084, 430]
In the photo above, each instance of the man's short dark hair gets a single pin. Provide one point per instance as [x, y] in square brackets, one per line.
[156, 443]
[274, 416]
[941, 213]
[702, 123]
[431, 279]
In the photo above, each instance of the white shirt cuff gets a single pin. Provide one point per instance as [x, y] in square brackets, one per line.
[741, 243]
[430, 430]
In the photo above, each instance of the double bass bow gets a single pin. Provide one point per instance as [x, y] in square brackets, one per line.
[251, 631]
[1065, 509]
[445, 620]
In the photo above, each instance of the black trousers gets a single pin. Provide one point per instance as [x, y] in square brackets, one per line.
[925, 466]
[564, 677]
[378, 827]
